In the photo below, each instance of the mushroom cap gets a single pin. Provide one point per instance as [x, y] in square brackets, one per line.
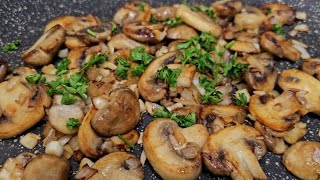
[312, 67]
[235, 151]
[121, 114]
[22, 106]
[149, 88]
[118, 165]
[173, 152]
[181, 32]
[278, 113]
[299, 81]
[145, 33]
[46, 47]
[3, 69]
[47, 167]
[303, 160]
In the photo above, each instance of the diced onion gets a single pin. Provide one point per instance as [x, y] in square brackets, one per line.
[303, 51]
[30, 140]
[85, 161]
[99, 102]
[301, 28]
[301, 15]
[143, 158]
[54, 148]
[63, 53]
[64, 139]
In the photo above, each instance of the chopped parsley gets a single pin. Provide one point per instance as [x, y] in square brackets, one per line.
[233, 69]
[12, 46]
[36, 79]
[62, 67]
[94, 60]
[205, 41]
[114, 29]
[207, 10]
[211, 96]
[171, 22]
[122, 68]
[278, 29]
[91, 33]
[73, 123]
[126, 141]
[141, 6]
[183, 121]
[242, 100]
[140, 56]
[169, 76]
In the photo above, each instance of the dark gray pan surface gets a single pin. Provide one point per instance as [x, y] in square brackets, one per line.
[25, 20]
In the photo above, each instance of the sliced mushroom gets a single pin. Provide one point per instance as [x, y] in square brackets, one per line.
[279, 113]
[303, 160]
[120, 116]
[197, 21]
[279, 13]
[245, 47]
[249, 18]
[118, 165]
[262, 73]
[58, 114]
[22, 105]
[307, 88]
[73, 42]
[235, 151]
[163, 13]
[74, 56]
[13, 168]
[275, 144]
[132, 13]
[298, 131]
[181, 32]
[144, 32]
[3, 69]
[149, 87]
[100, 33]
[46, 47]
[218, 117]
[173, 152]
[186, 76]
[121, 41]
[279, 46]
[47, 167]
[311, 66]
[227, 9]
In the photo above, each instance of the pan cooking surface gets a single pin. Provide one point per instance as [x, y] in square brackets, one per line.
[25, 20]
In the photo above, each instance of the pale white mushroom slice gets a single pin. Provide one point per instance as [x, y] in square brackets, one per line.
[181, 32]
[173, 152]
[303, 160]
[235, 151]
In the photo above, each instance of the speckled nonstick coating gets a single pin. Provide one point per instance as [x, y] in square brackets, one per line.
[25, 20]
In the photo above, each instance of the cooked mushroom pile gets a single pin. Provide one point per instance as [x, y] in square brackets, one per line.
[208, 75]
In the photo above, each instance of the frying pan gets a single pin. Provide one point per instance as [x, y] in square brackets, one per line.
[25, 20]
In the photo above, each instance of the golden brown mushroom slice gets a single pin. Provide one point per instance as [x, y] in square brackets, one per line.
[279, 46]
[249, 18]
[279, 113]
[145, 32]
[227, 9]
[121, 41]
[120, 116]
[306, 87]
[262, 73]
[197, 21]
[163, 13]
[279, 13]
[21, 105]
[47, 167]
[46, 47]
[312, 67]
[173, 152]
[216, 118]
[181, 32]
[3, 69]
[132, 12]
[118, 165]
[235, 151]
[303, 160]
[149, 87]
[13, 168]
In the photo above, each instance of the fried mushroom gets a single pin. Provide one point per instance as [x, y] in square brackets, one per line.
[47, 167]
[279, 113]
[121, 41]
[132, 13]
[21, 105]
[144, 32]
[181, 32]
[235, 151]
[121, 114]
[311, 66]
[173, 152]
[279, 46]
[249, 18]
[46, 47]
[279, 13]
[3, 69]
[163, 13]
[306, 87]
[303, 160]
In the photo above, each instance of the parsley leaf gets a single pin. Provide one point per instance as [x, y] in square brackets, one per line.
[138, 70]
[62, 67]
[183, 121]
[35, 79]
[278, 29]
[211, 96]
[141, 6]
[169, 76]
[114, 29]
[206, 10]
[234, 69]
[94, 60]
[68, 98]
[140, 56]
[122, 68]
[242, 100]
[173, 22]
[12, 46]
[91, 33]
[126, 141]
[73, 123]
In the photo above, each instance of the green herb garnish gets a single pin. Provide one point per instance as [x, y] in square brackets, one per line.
[94, 60]
[140, 56]
[126, 141]
[206, 10]
[36, 79]
[173, 22]
[141, 6]
[91, 33]
[183, 121]
[114, 29]
[211, 96]
[62, 67]
[234, 69]
[12, 46]
[122, 68]
[278, 29]
[242, 100]
[73, 123]
[169, 76]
